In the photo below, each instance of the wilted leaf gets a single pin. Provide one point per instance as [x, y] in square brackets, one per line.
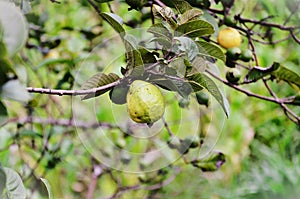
[211, 50]
[257, 73]
[195, 28]
[14, 26]
[14, 185]
[48, 187]
[14, 90]
[166, 13]
[199, 81]
[189, 15]
[3, 115]
[96, 81]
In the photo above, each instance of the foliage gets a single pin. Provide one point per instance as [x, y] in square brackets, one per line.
[87, 146]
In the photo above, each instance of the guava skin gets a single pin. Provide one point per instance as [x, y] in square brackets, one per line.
[145, 102]
[229, 38]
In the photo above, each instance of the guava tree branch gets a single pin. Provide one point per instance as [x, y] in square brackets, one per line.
[288, 100]
[62, 122]
[71, 92]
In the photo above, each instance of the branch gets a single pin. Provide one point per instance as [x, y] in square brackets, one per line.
[71, 92]
[62, 122]
[250, 94]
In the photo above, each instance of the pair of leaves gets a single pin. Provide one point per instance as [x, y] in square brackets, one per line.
[210, 163]
[277, 71]
[96, 81]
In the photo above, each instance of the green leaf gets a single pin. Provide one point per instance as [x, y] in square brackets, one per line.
[115, 21]
[161, 31]
[3, 180]
[3, 114]
[199, 81]
[195, 28]
[190, 15]
[188, 46]
[96, 81]
[180, 5]
[148, 56]
[14, 90]
[211, 50]
[6, 70]
[257, 73]
[173, 84]
[14, 26]
[48, 187]
[198, 65]
[287, 75]
[133, 56]
[179, 66]
[14, 185]
[211, 163]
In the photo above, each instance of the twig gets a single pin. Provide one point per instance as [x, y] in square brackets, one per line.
[71, 92]
[93, 183]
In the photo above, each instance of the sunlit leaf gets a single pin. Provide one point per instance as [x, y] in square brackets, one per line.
[199, 81]
[96, 81]
[48, 187]
[188, 46]
[195, 28]
[14, 90]
[14, 26]
[211, 50]
[14, 185]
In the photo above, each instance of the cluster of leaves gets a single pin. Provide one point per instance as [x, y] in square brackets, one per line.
[179, 62]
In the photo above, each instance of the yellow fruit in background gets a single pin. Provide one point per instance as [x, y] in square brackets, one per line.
[229, 38]
[145, 102]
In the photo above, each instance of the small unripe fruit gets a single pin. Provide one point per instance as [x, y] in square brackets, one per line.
[233, 53]
[229, 38]
[246, 55]
[233, 75]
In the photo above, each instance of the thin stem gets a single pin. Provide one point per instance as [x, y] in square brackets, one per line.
[71, 92]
